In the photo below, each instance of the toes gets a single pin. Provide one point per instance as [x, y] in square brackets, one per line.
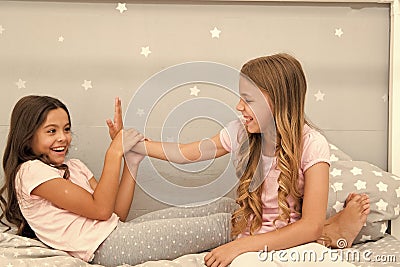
[366, 210]
[350, 198]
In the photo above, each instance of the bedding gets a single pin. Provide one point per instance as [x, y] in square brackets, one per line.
[17, 251]
[382, 188]
[346, 175]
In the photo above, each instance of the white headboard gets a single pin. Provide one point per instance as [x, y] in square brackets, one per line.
[394, 100]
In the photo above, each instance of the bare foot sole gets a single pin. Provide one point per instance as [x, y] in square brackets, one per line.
[343, 227]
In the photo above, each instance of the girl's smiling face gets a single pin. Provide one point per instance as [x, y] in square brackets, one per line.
[255, 106]
[53, 137]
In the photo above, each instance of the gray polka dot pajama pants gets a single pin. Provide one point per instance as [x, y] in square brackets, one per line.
[167, 234]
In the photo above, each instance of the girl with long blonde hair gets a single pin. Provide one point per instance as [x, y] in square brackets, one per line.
[282, 164]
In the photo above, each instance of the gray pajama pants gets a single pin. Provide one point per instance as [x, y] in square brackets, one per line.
[167, 234]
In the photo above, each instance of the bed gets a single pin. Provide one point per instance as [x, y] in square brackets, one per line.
[376, 245]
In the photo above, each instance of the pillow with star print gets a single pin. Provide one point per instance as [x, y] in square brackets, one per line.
[337, 153]
[383, 189]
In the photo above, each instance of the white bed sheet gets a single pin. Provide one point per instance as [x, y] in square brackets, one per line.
[17, 251]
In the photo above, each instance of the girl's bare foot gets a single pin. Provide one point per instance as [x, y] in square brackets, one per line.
[343, 227]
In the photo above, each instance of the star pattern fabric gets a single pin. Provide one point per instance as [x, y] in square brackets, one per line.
[333, 158]
[336, 172]
[383, 189]
[360, 185]
[356, 171]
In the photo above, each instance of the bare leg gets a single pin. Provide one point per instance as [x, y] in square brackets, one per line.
[348, 222]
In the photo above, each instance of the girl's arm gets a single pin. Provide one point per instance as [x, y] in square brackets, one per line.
[307, 229]
[174, 152]
[99, 205]
[127, 184]
[182, 153]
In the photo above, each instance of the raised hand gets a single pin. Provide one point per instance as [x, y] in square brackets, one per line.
[116, 125]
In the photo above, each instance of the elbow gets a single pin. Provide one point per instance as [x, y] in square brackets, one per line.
[184, 161]
[187, 155]
[104, 214]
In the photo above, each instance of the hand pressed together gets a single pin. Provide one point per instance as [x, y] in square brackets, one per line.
[131, 137]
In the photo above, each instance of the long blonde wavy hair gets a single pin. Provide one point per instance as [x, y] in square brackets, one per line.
[281, 76]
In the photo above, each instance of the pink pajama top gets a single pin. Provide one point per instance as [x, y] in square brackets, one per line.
[56, 227]
[315, 150]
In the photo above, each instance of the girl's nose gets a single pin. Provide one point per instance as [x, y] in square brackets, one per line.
[240, 105]
[61, 137]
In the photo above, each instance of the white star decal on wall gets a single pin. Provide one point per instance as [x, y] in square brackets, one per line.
[338, 32]
[336, 172]
[382, 187]
[194, 91]
[356, 171]
[360, 185]
[121, 7]
[397, 210]
[338, 206]
[215, 33]
[61, 39]
[87, 84]
[20, 84]
[2, 29]
[319, 96]
[145, 51]
[333, 158]
[385, 98]
[140, 112]
[377, 173]
[337, 187]
[382, 205]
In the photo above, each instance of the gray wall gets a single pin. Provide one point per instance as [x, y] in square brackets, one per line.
[103, 46]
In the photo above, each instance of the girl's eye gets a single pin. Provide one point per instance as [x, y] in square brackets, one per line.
[68, 129]
[51, 131]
